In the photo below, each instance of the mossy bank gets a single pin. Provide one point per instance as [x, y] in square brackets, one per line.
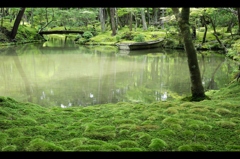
[209, 125]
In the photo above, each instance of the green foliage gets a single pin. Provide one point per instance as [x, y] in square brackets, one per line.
[87, 35]
[127, 35]
[139, 38]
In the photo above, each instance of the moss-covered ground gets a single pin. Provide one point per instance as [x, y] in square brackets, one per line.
[208, 125]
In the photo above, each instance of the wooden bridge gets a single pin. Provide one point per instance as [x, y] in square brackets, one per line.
[60, 32]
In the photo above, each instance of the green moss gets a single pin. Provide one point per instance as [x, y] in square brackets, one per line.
[175, 126]
[171, 111]
[194, 116]
[87, 148]
[213, 115]
[21, 142]
[188, 133]
[185, 148]
[41, 145]
[25, 121]
[124, 132]
[171, 120]
[226, 124]
[15, 132]
[198, 110]
[157, 144]
[206, 127]
[95, 142]
[3, 139]
[144, 139]
[131, 149]
[202, 136]
[9, 148]
[194, 126]
[167, 132]
[233, 147]
[110, 147]
[127, 143]
[187, 104]
[198, 147]
[127, 126]
[222, 111]
[100, 136]
[4, 113]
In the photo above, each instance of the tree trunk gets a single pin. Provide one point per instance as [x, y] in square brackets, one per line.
[195, 76]
[148, 16]
[16, 23]
[46, 14]
[155, 11]
[238, 13]
[112, 13]
[2, 10]
[143, 19]
[102, 20]
[216, 36]
[32, 18]
[130, 21]
[205, 31]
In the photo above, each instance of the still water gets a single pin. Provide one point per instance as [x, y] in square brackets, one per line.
[60, 72]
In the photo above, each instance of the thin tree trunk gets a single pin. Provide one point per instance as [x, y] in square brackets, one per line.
[205, 31]
[16, 23]
[197, 88]
[112, 13]
[46, 14]
[155, 11]
[148, 16]
[2, 10]
[32, 18]
[216, 36]
[238, 13]
[102, 20]
[130, 21]
[143, 19]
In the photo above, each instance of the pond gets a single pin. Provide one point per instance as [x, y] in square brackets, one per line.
[62, 73]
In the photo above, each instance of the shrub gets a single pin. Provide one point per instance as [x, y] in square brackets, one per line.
[87, 35]
[139, 38]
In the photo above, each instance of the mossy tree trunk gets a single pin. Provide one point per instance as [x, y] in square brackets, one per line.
[16, 23]
[197, 89]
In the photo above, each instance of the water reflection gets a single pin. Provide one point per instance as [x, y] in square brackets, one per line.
[59, 76]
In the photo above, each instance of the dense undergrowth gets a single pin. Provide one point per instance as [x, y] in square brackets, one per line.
[208, 125]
